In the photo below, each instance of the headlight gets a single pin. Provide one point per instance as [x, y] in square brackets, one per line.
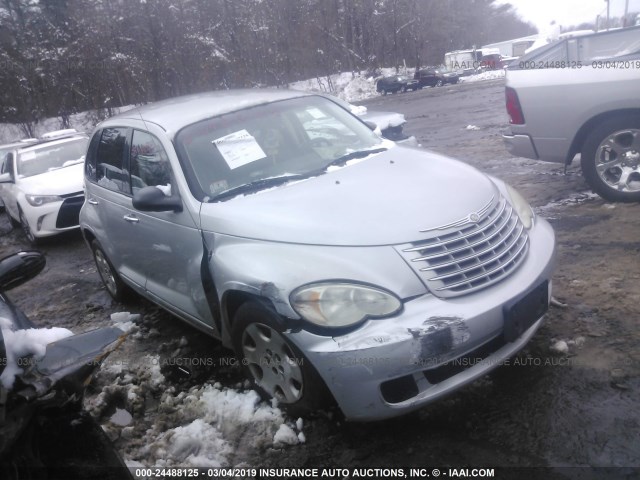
[37, 200]
[342, 304]
[522, 208]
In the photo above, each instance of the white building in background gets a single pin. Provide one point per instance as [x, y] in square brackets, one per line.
[513, 48]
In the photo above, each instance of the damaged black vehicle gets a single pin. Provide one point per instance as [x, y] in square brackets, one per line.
[43, 375]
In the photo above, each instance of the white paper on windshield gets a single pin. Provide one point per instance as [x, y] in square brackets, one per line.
[316, 113]
[26, 156]
[239, 148]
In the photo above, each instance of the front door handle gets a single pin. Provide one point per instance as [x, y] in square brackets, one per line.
[92, 201]
[131, 218]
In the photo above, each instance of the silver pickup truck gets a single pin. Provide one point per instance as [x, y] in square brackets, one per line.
[581, 96]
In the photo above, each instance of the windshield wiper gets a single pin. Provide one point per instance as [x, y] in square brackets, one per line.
[256, 185]
[352, 155]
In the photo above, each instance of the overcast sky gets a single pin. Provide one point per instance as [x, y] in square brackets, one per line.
[568, 12]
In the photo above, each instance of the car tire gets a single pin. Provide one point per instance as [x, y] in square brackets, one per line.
[610, 159]
[383, 91]
[110, 278]
[439, 83]
[404, 89]
[275, 367]
[26, 229]
[12, 221]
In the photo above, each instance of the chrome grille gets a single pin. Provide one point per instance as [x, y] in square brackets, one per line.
[468, 255]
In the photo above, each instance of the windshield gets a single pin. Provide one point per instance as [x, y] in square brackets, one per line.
[50, 157]
[292, 138]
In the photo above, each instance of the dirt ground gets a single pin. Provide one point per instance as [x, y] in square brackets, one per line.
[549, 408]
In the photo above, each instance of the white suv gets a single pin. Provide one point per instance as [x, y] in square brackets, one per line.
[41, 184]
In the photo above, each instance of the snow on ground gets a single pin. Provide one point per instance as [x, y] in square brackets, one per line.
[156, 424]
[480, 77]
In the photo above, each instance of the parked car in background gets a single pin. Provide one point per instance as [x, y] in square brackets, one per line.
[41, 183]
[429, 77]
[8, 147]
[586, 102]
[449, 76]
[320, 252]
[395, 83]
[388, 124]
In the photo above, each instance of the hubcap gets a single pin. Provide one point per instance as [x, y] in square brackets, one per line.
[104, 269]
[272, 363]
[618, 160]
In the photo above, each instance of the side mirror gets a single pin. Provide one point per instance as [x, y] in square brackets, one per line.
[20, 267]
[152, 199]
[6, 178]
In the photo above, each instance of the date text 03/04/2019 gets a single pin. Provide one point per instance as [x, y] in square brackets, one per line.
[363, 472]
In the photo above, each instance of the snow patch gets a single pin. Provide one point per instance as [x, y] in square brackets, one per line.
[22, 343]
[285, 435]
[484, 76]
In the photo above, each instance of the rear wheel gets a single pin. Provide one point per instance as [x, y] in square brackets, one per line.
[610, 159]
[275, 366]
[110, 278]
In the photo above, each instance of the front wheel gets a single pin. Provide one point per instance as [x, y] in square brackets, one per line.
[610, 159]
[275, 366]
[14, 223]
[24, 223]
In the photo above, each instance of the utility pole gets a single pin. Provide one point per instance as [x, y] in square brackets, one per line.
[626, 10]
[607, 13]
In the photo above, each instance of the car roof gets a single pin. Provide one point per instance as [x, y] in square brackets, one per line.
[56, 141]
[175, 113]
[19, 144]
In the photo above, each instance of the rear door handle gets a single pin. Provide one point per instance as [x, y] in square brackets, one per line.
[131, 218]
[92, 201]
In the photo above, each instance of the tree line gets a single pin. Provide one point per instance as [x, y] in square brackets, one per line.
[59, 57]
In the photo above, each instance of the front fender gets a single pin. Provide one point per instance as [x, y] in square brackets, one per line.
[273, 270]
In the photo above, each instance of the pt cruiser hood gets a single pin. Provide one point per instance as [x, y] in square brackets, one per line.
[385, 199]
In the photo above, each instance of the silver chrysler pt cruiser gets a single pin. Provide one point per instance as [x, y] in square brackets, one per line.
[332, 261]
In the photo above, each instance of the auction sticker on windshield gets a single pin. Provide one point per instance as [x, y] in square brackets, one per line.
[26, 156]
[239, 148]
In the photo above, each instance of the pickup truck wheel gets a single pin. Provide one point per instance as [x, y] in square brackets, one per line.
[439, 83]
[610, 159]
[275, 366]
[110, 278]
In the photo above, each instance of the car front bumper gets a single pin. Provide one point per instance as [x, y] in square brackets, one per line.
[392, 366]
[54, 217]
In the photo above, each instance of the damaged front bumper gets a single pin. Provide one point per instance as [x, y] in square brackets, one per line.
[435, 346]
